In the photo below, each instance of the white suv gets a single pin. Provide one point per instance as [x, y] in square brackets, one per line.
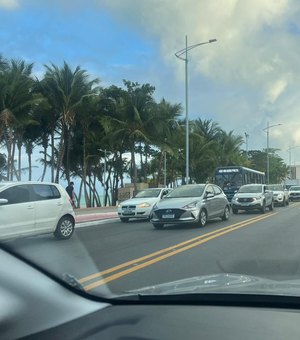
[280, 194]
[33, 208]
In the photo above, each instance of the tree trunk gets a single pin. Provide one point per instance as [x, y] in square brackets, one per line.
[134, 169]
[52, 156]
[61, 152]
[159, 168]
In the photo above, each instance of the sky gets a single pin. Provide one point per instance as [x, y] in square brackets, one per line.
[247, 79]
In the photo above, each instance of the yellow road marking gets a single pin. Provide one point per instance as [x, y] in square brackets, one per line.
[170, 251]
[171, 248]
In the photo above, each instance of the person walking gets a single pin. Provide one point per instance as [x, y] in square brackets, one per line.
[71, 193]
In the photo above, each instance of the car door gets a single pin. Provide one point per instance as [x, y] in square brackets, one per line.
[49, 204]
[17, 216]
[210, 202]
[220, 201]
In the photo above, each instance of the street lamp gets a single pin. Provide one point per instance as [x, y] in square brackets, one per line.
[180, 54]
[290, 156]
[268, 143]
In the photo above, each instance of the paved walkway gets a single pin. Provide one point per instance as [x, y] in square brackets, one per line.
[95, 214]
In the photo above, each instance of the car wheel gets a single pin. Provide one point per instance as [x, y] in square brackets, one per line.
[158, 225]
[263, 208]
[64, 228]
[124, 219]
[202, 218]
[271, 206]
[235, 211]
[226, 213]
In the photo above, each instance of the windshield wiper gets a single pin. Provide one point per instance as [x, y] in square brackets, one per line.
[72, 281]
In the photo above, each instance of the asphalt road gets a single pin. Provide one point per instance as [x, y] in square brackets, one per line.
[126, 256]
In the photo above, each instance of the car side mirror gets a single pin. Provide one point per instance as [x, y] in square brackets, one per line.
[3, 201]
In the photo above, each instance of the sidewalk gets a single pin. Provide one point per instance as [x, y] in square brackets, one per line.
[95, 214]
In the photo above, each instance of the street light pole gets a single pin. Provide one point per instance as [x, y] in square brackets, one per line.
[268, 146]
[179, 55]
[246, 141]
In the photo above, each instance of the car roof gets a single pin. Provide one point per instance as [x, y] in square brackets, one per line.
[13, 183]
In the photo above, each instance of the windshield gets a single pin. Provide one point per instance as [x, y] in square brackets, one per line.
[187, 191]
[295, 188]
[250, 189]
[137, 138]
[275, 187]
[148, 193]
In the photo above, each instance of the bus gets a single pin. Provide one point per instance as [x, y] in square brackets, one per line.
[231, 178]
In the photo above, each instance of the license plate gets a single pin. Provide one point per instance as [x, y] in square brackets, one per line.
[128, 212]
[168, 216]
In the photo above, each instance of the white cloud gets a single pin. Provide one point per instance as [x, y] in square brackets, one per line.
[9, 4]
[256, 55]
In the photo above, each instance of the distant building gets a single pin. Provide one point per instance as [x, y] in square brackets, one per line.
[294, 178]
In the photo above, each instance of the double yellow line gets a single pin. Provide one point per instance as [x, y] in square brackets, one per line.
[95, 280]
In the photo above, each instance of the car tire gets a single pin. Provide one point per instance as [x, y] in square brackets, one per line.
[158, 225]
[202, 218]
[235, 211]
[226, 213]
[124, 219]
[64, 228]
[271, 206]
[263, 208]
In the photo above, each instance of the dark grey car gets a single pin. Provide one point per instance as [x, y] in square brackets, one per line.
[192, 203]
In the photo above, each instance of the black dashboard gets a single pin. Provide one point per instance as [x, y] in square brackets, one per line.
[35, 306]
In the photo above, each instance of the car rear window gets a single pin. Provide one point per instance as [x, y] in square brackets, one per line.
[45, 192]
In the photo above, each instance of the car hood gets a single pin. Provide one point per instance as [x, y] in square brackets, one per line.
[139, 200]
[223, 283]
[247, 194]
[278, 192]
[174, 203]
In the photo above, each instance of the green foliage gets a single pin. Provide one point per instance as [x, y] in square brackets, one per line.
[122, 130]
[278, 170]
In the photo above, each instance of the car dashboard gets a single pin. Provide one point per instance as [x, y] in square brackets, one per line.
[36, 306]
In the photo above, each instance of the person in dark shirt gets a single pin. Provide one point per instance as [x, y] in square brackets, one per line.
[71, 193]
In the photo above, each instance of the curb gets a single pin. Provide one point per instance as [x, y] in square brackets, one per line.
[95, 217]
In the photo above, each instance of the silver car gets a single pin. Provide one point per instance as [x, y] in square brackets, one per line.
[192, 203]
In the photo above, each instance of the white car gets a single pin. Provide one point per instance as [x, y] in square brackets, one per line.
[280, 194]
[141, 205]
[33, 208]
[294, 193]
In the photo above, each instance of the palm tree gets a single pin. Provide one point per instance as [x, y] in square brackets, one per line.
[65, 89]
[16, 101]
[133, 118]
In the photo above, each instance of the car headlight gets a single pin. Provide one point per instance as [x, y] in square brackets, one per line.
[119, 205]
[191, 205]
[144, 205]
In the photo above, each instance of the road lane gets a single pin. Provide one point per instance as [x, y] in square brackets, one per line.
[98, 250]
[163, 254]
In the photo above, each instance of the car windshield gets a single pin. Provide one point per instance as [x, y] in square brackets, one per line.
[137, 138]
[275, 187]
[148, 193]
[250, 189]
[187, 191]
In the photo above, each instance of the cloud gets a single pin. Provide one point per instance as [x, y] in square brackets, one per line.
[256, 55]
[9, 4]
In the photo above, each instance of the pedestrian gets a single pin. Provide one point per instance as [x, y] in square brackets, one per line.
[71, 193]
